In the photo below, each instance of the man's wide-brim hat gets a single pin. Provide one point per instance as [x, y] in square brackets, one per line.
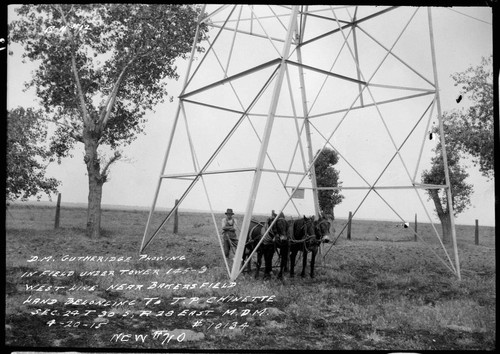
[229, 212]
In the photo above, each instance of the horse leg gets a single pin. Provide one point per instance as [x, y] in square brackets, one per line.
[304, 263]
[293, 254]
[268, 259]
[313, 259]
[249, 264]
[246, 253]
[259, 262]
[284, 260]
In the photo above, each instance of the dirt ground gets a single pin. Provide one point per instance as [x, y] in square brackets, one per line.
[368, 294]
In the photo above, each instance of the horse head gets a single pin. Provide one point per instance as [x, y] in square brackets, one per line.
[280, 229]
[322, 229]
[309, 226]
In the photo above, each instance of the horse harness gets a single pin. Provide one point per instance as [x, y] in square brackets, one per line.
[267, 240]
[310, 240]
[305, 239]
[271, 235]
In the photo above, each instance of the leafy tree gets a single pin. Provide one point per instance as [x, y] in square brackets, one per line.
[468, 133]
[460, 190]
[27, 157]
[101, 67]
[473, 126]
[327, 176]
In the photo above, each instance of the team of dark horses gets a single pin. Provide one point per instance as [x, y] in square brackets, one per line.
[286, 238]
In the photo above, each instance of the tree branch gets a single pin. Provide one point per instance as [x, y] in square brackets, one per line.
[71, 131]
[81, 97]
[106, 110]
[115, 158]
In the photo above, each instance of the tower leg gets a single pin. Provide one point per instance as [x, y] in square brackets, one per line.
[443, 149]
[171, 138]
[263, 147]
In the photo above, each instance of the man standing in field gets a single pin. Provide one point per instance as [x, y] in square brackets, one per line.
[229, 225]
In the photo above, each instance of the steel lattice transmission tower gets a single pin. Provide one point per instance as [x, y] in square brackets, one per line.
[271, 77]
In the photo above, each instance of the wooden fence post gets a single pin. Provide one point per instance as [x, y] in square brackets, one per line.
[477, 232]
[416, 226]
[58, 211]
[176, 218]
[349, 226]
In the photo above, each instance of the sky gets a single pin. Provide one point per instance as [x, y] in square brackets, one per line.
[462, 36]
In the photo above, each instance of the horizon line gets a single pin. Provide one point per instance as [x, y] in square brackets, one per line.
[189, 210]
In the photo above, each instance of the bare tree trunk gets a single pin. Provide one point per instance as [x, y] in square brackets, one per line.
[94, 208]
[444, 216]
[446, 227]
[95, 188]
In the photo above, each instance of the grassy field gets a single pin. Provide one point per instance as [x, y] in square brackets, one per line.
[378, 291]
